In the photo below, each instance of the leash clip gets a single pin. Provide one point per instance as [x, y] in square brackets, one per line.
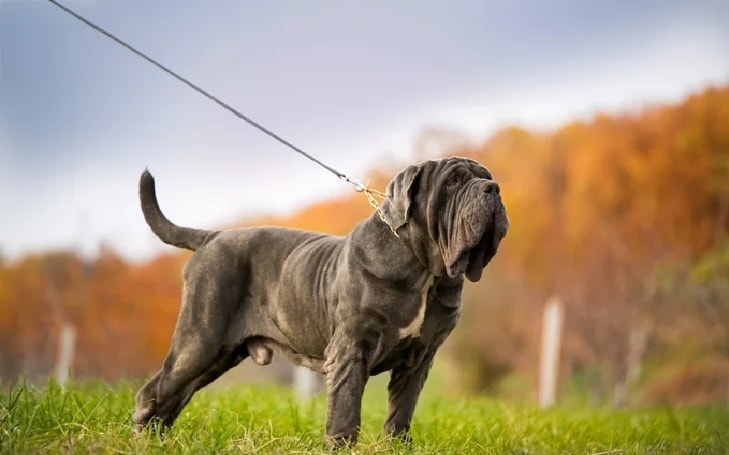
[370, 193]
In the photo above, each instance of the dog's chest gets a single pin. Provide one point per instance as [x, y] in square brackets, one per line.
[413, 328]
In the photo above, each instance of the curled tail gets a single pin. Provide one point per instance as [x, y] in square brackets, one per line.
[166, 230]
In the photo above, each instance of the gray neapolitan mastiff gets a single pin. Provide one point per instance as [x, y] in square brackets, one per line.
[348, 307]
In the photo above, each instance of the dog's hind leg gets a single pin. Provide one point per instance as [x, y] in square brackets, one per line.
[148, 410]
[164, 396]
[198, 354]
[225, 362]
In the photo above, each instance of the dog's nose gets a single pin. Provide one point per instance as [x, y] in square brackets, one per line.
[491, 187]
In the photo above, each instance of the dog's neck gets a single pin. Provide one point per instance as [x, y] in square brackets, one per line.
[408, 244]
[411, 250]
[425, 249]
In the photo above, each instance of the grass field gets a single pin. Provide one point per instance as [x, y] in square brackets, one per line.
[95, 418]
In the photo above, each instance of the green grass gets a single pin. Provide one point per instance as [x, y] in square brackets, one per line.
[95, 418]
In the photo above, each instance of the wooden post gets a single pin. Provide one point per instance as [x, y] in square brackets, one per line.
[67, 340]
[549, 360]
[306, 383]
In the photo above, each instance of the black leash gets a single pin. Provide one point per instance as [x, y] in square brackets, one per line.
[358, 186]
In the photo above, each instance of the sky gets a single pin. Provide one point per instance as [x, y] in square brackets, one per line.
[352, 83]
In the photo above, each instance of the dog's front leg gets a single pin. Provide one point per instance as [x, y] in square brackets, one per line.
[346, 371]
[406, 382]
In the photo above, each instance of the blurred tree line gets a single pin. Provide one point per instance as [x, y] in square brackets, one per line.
[625, 217]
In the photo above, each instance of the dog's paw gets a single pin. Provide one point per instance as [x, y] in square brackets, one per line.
[401, 434]
[340, 441]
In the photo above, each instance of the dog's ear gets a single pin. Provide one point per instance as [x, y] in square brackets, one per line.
[400, 194]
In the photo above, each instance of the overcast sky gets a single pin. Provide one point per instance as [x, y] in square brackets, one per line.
[350, 82]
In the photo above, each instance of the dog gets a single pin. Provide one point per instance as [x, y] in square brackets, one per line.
[382, 298]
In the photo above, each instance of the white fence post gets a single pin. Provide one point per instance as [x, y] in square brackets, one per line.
[67, 340]
[306, 383]
[549, 360]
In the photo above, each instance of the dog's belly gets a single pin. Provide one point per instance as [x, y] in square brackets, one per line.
[295, 328]
[299, 302]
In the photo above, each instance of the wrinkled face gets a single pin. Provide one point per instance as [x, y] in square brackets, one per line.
[454, 205]
[467, 217]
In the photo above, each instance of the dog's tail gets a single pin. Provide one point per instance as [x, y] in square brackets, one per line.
[166, 230]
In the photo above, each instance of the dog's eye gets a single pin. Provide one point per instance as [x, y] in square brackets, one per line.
[452, 182]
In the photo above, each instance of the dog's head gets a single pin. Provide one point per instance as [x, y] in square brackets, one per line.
[452, 209]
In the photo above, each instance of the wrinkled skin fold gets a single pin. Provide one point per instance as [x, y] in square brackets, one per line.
[349, 307]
